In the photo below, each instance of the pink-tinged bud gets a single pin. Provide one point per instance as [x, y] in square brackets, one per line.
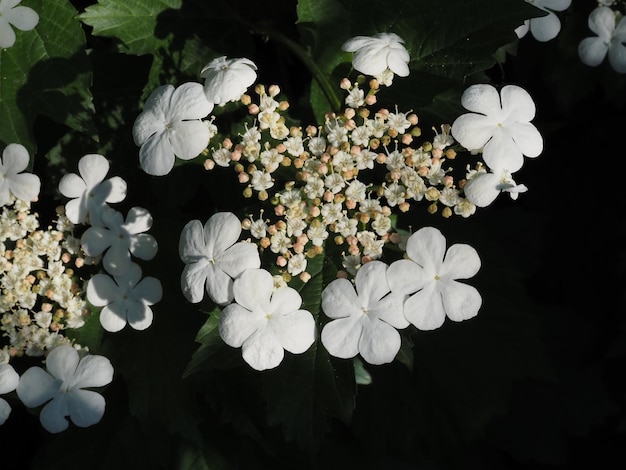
[235, 155]
[243, 177]
[227, 143]
[437, 153]
[395, 175]
[350, 124]
[370, 100]
[66, 258]
[422, 171]
[281, 225]
[349, 113]
[279, 210]
[79, 262]
[395, 238]
[246, 100]
[374, 84]
[352, 240]
[413, 119]
[298, 248]
[381, 158]
[448, 181]
[286, 161]
[342, 275]
[311, 131]
[330, 116]
[328, 196]
[435, 161]
[314, 211]
[366, 259]
[383, 113]
[273, 90]
[404, 206]
[302, 239]
[385, 210]
[254, 108]
[281, 261]
[305, 277]
[407, 139]
[283, 105]
[345, 84]
[322, 169]
[353, 250]
[246, 224]
[264, 242]
[272, 229]
[350, 204]
[208, 164]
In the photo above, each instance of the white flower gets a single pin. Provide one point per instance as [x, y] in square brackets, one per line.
[213, 257]
[170, 126]
[483, 188]
[227, 79]
[127, 299]
[610, 39]
[265, 322]
[63, 385]
[24, 186]
[503, 129]
[89, 190]
[374, 55]
[121, 238]
[23, 18]
[8, 382]
[544, 28]
[364, 321]
[430, 274]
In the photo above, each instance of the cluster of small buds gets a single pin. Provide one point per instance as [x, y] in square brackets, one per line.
[41, 292]
[332, 192]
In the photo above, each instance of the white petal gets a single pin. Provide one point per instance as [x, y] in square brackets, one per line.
[37, 387]
[253, 290]
[460, 301]
[139, 315]
[461, 262]
[339, 299]
[152, 120]
[522, 30]
[102, 290]
[156, 155]
[5, 411]
[149, 291]
[193, 279]
[53, 415]
[85, 407]
[424, 309]
[189, 138]
[9, 379]
[62, 362]
[113, 317]
[284, 301]
[95, 240]
[72, 185]
[237, 324]
[602, 22]
[262, 350]
[356, 43]
[502, 151]
[238, 258]
[112, 190]
[390, 309]
[482, 189]
[405, 277]
[528, 139]
[143, 246]
[93, 168]
[188, 102]
[592, 51]
[545, 28]
[371, 283]
[7, 35]
[617, 56]
[117, 259]
[379, 342]
[517, 104]
[341, 337]
[23, 18]
[191, 246]
[295, 331]
[25, 186]
[427, 248]
[370, 60]
[93, 371]
[473, 131]
[219, 286]
[15, 159]
[482, 98]
[221, 231]
[556, 5]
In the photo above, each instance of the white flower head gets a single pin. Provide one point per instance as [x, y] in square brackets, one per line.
[126, 299]
[484, 188]
[364, 320]
[610, 40]
[544, 28]
[227, 79]
[499, 125]
[62, 386]
[171, 126]
[429, 276]
[121, 238]
[265, 321]
[23, 18]
[89, 191]
[9, 380]
[214, 257]
[374, 55]
[23, 186]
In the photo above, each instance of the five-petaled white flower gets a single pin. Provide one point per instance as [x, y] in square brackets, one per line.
[374, 55]
[214, 257]
[364, 322]
[23, 18]
[429, 275]
[63, 386]
[502, 129]
[171, 126]
[89, 190]
[483, 188]
[265, 321]
[9, 380]
[610, 40]
[544, 28]
[24, 186]
[227, 79]
[121, 238]
[126, 299]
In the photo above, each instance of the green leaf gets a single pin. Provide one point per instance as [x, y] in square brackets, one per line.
[46, 72]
